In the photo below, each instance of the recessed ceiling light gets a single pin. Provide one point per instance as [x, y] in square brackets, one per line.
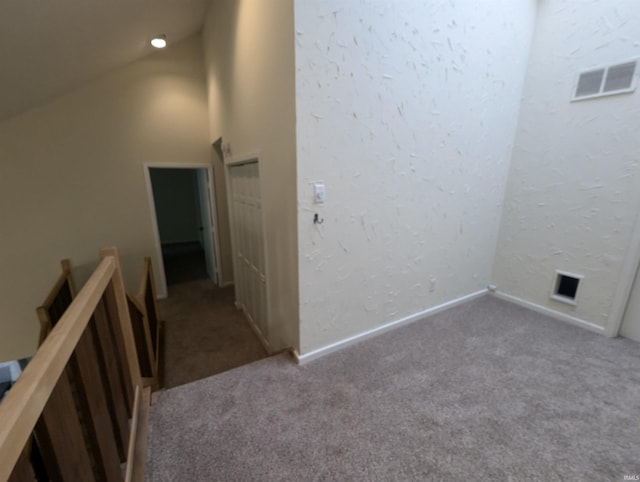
[159, 41]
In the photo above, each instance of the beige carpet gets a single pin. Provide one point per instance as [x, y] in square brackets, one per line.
[487, 391]
[204, 333]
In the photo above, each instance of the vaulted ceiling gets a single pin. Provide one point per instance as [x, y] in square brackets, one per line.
[48, 47]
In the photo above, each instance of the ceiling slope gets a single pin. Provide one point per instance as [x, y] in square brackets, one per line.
[49, 47]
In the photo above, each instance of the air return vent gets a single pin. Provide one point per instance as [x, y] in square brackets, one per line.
[589, 83]
[565, 287]
[619, 78]
[616, 79]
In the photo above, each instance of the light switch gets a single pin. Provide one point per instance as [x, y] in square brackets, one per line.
[318, 190]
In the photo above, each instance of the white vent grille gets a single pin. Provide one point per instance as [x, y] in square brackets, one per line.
[616, 79]
[590, 83]
[620, 77]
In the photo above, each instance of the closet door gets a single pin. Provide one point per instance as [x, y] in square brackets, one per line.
[249, 266]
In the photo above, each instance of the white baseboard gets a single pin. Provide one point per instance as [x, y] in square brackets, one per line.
[552, 313]
[320, 352]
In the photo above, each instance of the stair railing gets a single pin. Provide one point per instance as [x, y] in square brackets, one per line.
[145, 321]
[71, 359]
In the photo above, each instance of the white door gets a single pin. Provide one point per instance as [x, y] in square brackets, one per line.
[206, 222]
[631, 322]
[249, 266]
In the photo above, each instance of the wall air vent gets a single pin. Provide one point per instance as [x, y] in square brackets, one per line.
[619, 78]
[589, 83]
[565, 287]
[616, 79]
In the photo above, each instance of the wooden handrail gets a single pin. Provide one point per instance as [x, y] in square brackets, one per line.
[22, 406]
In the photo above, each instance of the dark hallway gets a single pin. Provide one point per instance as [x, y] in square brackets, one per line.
[184, 262]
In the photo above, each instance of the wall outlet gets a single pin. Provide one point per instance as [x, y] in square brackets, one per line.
[432, 285]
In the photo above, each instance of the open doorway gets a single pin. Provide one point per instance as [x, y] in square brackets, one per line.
[204, 332]
[184, 218]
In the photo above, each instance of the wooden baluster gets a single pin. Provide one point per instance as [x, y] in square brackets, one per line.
[148, 345]
[85, 364]
[138, 322]
[155, 323]
[116, 397]
[23, 471]
[115, 328]
[151, 305]
[120, 295]
[60, 436]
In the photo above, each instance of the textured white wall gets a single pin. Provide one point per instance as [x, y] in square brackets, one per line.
[407, 111]
[249, 57]
[574, 186]
[72, 178]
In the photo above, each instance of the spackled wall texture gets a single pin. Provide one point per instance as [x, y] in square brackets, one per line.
[574, 186]
[408, 114]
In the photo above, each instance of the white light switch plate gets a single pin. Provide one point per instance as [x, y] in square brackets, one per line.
[318, 193]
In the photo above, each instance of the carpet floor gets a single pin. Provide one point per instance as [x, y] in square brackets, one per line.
[484, 391]
[204, 333]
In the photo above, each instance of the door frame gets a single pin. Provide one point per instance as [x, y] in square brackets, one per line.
[625, 283]
[203, 182]
[230, 162]
[162, 289]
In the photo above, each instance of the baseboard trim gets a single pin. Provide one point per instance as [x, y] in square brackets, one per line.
[352, 340]
[552, 313]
